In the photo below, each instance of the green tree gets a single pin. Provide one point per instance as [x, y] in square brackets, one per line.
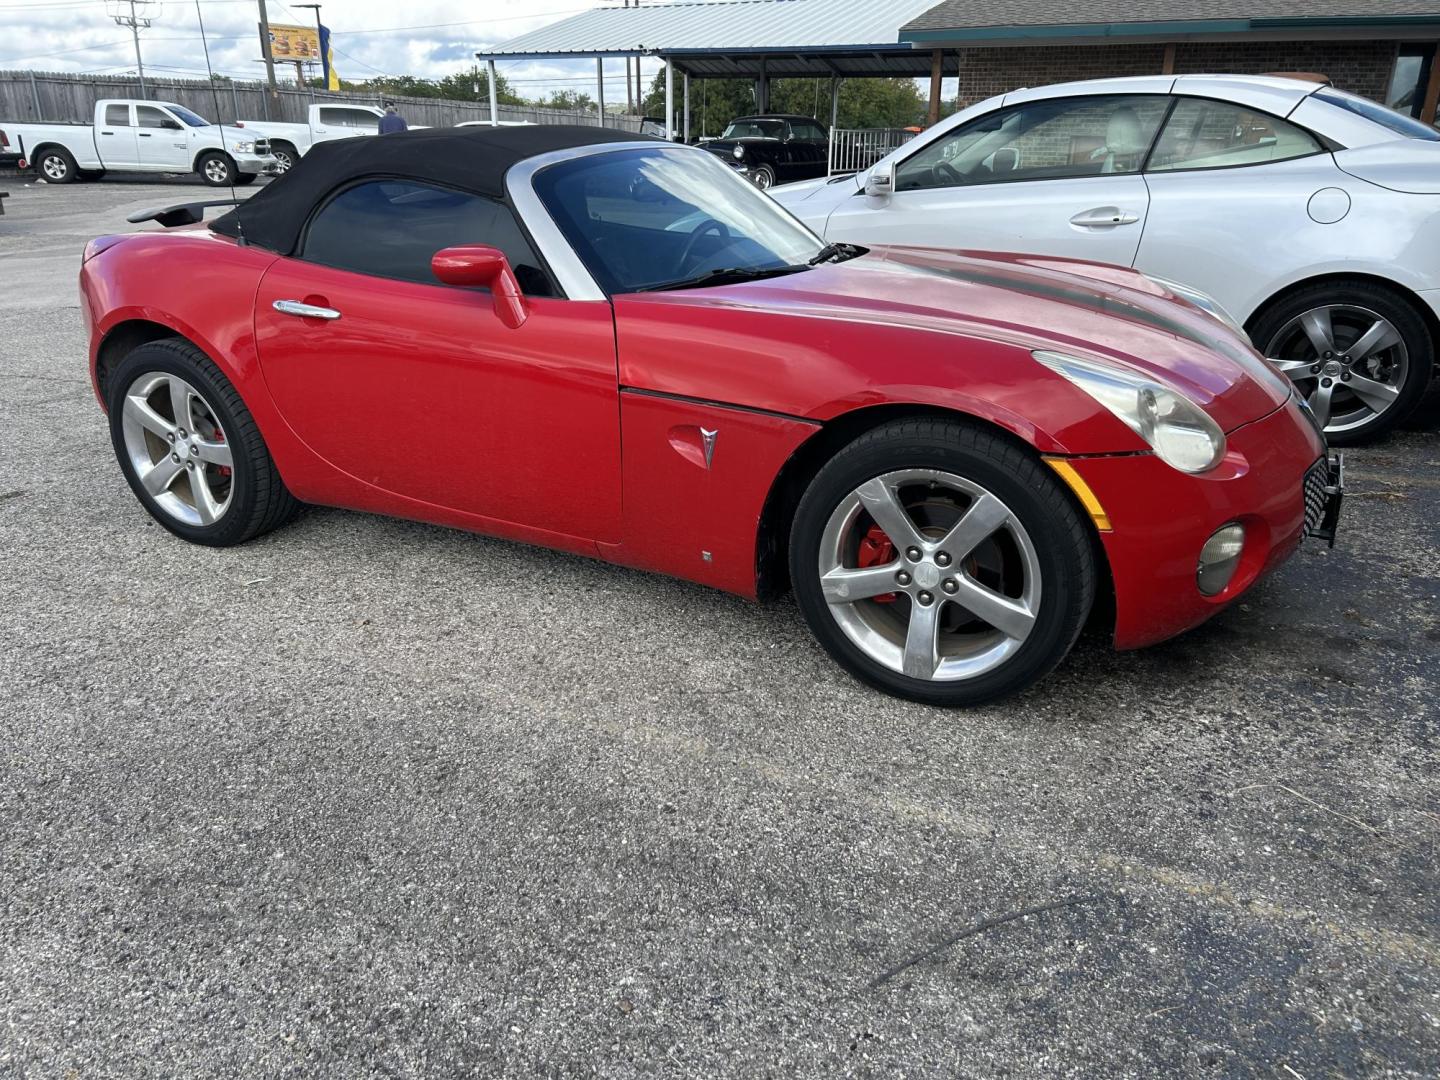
[567, 99]
[864, 103]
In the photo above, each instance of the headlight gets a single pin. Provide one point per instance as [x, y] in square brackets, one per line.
[738, 152]
[244, 146]
[1181, 433]
[1204, 301]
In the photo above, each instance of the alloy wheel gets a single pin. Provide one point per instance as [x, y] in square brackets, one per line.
[1348, 362]
[930, 575]
[282, 160]
[177, 448]
[54, 167]
[216, 171]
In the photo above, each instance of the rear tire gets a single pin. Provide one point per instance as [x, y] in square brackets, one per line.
[1392, 376]
[218, 447]
[216, 169]
[56, 165]
[987, 619]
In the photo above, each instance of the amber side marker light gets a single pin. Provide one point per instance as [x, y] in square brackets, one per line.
[1082, 491]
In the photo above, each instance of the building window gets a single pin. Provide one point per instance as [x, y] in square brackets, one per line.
[1409, 79]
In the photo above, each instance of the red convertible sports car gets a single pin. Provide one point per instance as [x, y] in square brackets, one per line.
[619, 348]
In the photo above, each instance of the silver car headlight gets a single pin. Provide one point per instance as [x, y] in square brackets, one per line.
[244, 146]
[1204, 301]
[739, 153]
[1180, 432]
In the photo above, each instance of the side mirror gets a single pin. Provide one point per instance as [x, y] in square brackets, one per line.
[880, 183]
[476, 266]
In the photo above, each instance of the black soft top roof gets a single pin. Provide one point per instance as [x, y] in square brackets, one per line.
[472, 159]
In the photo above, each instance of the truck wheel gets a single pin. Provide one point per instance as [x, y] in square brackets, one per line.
[285, 156]
[216, 169]
[245, 178]
[56, 165]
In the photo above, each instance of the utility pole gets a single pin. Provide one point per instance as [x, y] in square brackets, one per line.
[269, 58]
[136, 21]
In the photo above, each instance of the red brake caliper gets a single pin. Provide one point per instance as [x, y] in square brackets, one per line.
[876, 550]
[223, 470]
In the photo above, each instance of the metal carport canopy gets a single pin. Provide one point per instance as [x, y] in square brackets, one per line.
[740, 39]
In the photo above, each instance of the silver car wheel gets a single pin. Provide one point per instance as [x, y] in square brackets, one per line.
[930, 575]
[216, 171]
[1347, 361]
[54, 167]
[177, 448]
[283, 161]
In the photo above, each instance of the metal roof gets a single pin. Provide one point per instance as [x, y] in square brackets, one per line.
[727, 38]
[982, 21]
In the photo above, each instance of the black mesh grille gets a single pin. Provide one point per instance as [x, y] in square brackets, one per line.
[1316, 481]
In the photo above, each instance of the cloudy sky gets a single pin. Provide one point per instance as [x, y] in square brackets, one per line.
[371, 37]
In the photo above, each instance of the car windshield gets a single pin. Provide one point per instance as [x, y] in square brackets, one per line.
[193, 119]
[645, 219]
[1399, 123]
[755, 129]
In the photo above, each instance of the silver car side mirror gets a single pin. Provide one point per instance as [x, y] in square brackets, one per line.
[880, 182]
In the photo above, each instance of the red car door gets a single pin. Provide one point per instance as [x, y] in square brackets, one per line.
[419, 389]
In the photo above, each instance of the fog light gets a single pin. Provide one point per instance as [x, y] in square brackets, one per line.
[1219, 558]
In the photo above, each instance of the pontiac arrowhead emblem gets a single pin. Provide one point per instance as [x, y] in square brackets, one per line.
[708, 437]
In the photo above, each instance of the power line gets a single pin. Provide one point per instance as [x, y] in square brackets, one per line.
[66, 52]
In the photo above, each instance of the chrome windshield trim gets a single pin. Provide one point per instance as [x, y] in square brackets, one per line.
[569, 270]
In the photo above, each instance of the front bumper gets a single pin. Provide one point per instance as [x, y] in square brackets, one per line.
[264, 164]
[1161, 518]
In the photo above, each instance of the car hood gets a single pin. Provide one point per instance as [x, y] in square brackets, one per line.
[837, 187]
[1087, 309]
[1408, 165]
[726, 146]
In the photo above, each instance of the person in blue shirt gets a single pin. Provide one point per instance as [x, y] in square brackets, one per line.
[392, 121]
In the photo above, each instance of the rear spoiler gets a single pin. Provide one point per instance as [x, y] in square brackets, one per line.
[180, 213]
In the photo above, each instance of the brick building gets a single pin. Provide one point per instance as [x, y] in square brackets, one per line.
[1383, 49]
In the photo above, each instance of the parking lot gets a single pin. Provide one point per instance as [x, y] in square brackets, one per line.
[367, 797]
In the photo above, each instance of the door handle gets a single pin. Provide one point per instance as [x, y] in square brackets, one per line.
[1102, 217]
[143, 134]
[304, 311]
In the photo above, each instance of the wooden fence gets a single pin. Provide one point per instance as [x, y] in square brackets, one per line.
[41, 96]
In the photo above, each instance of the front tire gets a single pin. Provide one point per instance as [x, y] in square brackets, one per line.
[189, 447]
[57, 165]
[942, 562]
[1359, 353]
[216, 169]
[764, 177]
[285, 156]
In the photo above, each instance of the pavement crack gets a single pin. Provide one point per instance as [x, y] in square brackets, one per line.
[979, 928]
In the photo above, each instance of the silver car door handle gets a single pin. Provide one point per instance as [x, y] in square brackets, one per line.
[304, 311]
[1102, 216]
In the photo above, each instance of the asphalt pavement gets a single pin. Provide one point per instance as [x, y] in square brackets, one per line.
[371, 798]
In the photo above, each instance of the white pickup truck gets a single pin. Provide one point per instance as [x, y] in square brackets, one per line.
[141, 136]
[326, 122]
